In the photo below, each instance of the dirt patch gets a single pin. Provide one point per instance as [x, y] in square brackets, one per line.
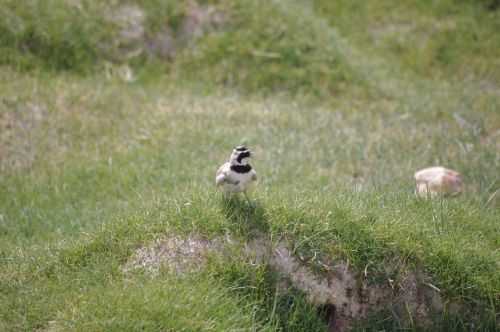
[487, 86]
[132, 38]
[128, 40]
[345, 293]
[338, 289]
[197, 21]
[416, 300]
[179, 255]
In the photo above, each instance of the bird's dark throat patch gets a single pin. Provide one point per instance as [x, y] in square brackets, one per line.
[241, 168]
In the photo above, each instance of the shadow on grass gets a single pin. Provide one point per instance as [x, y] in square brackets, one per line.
[248, 217]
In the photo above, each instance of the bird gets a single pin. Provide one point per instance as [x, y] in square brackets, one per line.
[236, 175]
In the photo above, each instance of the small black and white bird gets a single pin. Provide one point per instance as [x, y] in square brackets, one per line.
[236, 175]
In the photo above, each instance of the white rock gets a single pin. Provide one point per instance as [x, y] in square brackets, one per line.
[433, 181]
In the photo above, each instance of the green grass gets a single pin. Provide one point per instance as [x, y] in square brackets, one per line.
[289, 53]
[433, 39]
[92, 167]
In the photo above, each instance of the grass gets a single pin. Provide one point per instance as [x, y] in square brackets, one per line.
[432, 39]
[93, 167]
[272, 60]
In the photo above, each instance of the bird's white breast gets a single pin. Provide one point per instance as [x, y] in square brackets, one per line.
[234, 182]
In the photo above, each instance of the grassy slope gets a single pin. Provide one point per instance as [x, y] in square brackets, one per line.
[128, 156]
[433, 39]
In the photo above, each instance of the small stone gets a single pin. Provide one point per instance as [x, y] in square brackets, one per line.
[433, 181]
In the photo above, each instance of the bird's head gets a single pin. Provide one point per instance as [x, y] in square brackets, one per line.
[240, 156]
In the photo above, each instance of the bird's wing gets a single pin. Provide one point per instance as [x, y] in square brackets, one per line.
[254, 175]
[224, 175]
[221, 175]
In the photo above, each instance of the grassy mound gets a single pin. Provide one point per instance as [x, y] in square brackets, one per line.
[288, 53]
